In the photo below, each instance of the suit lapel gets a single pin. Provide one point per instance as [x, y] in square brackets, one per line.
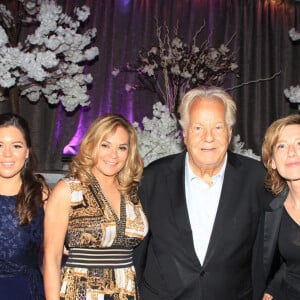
[176, 189]
[227, 201]
[271, 230]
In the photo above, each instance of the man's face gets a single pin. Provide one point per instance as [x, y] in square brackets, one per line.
[207, 136]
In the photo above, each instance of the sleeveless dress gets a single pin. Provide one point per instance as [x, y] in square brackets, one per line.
[100, 263]
[20, 254]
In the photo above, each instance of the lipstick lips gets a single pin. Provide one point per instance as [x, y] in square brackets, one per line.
[293, 164]
[7, 164]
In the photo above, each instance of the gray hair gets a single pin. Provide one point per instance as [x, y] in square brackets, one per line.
[206, 92]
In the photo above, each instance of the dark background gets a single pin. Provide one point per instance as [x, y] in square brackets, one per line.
[261, 43]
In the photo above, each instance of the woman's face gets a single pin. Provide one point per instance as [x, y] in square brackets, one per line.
[286, 153]
[113, 153]
[13, 152]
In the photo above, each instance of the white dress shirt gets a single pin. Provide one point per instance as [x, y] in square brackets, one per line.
[202, 203]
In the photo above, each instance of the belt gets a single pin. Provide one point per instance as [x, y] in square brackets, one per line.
[99, 258]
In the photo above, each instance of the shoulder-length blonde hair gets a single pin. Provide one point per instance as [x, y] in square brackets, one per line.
[87, 158]
[274, 182]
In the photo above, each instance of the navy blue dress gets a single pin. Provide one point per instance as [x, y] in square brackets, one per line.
[20, 254]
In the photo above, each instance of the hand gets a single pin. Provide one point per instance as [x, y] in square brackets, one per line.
[267, 297]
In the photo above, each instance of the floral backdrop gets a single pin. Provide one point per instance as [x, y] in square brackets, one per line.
[48, 62]
[160, 136]
[256, 32]
[293, 93]
[172, 66]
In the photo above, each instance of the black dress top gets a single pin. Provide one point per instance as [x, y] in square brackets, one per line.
[289, 248]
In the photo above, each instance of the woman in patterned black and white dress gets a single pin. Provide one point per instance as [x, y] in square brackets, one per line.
[95, 211]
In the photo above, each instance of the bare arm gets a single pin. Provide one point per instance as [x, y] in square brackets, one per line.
[55, 227]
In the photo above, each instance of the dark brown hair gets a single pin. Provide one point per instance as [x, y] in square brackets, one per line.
[30, 196]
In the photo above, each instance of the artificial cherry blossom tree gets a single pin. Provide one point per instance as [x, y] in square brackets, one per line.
[49, 62]
[171, 67]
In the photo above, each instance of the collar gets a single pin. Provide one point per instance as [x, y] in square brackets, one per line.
[191, 176]
[278, 201]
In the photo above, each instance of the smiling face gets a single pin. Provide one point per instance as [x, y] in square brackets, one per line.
[13, 152]
[286, 153]
[207, 136]
[112, 154]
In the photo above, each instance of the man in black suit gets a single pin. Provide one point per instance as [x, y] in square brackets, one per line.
[203, 207]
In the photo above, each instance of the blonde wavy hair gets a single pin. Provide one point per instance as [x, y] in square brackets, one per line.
[83, 163]
[274, 182]
[206, 92]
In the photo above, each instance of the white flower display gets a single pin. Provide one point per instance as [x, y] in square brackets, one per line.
[171, 67]
[293, 92]
[237, 146]
[50, 61]
[160, 136]
[294, 35]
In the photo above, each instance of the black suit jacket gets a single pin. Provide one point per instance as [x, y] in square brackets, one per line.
[271, 278]
[166, 262]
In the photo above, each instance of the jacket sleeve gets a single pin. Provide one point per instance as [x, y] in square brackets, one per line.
[140, 252]
[259, 282]
[275, 286]
[258, 277]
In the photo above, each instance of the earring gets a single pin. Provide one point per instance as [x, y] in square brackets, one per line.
[26, 163]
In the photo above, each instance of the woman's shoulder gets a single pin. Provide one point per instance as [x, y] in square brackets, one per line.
[75, 187]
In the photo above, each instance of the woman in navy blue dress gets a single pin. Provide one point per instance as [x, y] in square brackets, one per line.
[22, 194]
